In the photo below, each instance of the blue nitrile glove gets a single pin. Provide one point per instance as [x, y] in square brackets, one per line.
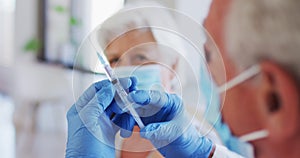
[168, 128]
[91, 131]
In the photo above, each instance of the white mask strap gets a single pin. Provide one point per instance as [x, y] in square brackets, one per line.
[254, 136]
[254, 70]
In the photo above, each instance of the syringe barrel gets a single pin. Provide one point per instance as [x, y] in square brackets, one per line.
[127, 105]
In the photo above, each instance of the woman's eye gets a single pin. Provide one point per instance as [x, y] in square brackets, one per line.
[113, 61]
[141, 57]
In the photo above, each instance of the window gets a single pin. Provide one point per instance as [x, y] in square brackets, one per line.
[67, 23]
[7, 10]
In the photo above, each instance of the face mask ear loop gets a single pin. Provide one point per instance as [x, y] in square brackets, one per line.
[254, 136]
[252, 71]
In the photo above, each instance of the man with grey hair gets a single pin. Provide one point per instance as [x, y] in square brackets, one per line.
[259, 43]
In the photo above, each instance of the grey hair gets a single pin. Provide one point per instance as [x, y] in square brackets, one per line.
[258, 30]
[146, 16]
[141, 16]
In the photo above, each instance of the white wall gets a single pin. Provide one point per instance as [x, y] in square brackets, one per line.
[168, 3]
[197, 9]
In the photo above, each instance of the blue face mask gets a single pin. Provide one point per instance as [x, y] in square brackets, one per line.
[213, 114]
[149, 76]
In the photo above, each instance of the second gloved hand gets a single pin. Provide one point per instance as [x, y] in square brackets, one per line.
[91, 127]
[168, 128]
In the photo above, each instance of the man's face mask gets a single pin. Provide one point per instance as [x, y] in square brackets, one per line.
[237, 144]
[149, 76]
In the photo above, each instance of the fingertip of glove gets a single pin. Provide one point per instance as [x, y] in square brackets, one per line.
[98, 85]
[129, 82]
[133, 80]
[140, 96]
[148, 131]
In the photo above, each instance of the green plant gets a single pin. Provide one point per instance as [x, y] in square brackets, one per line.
[33, 45]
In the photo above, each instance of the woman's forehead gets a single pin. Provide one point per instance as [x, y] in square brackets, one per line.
[128, 41]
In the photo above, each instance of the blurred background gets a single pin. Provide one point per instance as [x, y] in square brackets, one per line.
[38, 43]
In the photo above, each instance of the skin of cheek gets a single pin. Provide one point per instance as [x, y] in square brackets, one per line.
[240, 109]
[166, 77]
[168, 69]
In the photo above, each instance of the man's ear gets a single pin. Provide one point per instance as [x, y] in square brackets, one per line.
[280, 101]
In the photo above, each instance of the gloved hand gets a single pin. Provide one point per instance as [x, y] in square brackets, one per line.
[169, 129]
[91, 121]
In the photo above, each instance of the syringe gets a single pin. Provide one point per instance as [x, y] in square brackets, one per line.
[120, 90]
